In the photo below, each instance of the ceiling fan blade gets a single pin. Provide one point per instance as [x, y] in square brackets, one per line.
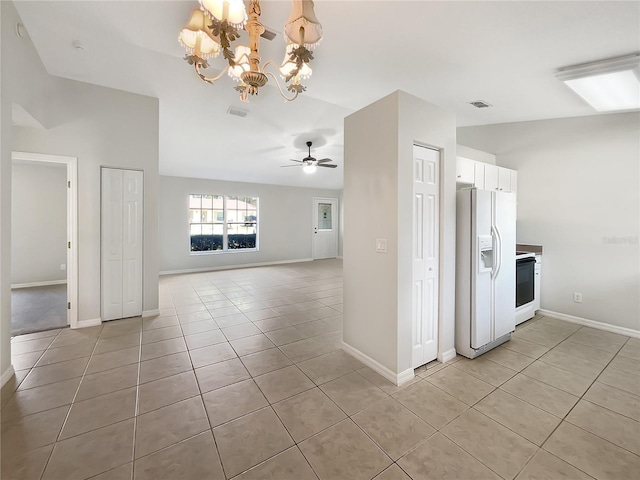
[325, 160]
[285, 166]
[327, 166]
[297, 161]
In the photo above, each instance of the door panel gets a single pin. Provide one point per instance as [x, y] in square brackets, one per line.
[481, 311]
[505, 281]
[132, 244]
[111, 233]
[325, 228]
[121, 248]
[426, 191]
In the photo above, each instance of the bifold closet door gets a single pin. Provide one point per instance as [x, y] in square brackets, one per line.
[121, 240]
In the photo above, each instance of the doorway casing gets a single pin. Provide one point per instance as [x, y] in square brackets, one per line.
[72, 224]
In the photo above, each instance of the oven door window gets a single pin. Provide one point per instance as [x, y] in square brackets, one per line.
[525, 281]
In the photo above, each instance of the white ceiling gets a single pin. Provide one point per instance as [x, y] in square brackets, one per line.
[447, 52]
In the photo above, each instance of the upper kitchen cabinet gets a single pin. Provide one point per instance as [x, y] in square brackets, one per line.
[475, 168]
[465, 170]
[470, 173]
[499, 178]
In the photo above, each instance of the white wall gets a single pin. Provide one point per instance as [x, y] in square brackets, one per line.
[5, 214]
[378, 203]
[370, 212]
[578, 196]
[99, 126]
[38, 222]
[284, 217]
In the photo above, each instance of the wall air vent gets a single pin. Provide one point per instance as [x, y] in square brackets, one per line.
[238, 112]
[480, 104]
[268, 34]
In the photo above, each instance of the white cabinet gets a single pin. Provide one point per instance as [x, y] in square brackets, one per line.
[485, 176]
[504, 179]
[479, 175]
[490, 177]
[498, 178]
[465, 170]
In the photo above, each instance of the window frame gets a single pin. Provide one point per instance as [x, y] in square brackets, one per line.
[225, 224]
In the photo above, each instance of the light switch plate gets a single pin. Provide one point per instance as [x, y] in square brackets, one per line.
[381, 245]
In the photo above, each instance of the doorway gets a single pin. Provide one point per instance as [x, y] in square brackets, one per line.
[44, 242]
[325, 228]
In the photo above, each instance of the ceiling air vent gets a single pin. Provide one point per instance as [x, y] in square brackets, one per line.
[480, 104]
[238, 112]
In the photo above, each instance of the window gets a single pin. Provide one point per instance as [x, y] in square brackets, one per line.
[223, 223]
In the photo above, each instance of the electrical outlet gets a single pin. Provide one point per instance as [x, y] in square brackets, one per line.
[63, 266]
[577, 297]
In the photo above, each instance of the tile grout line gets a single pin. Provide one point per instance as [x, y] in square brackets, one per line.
[34, 365]
[563, 419]
[581, 398]
[64, 423]
[136, 409]
[206, 412]
[557, 426]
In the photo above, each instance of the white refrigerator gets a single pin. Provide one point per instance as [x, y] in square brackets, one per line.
[485, 270]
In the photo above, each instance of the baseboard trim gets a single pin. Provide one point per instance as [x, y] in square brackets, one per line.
[447, 355]
[89, 322]
[395, 378]
[6, 375]
[233, 267]
[607, 327]
[150, 313]
[15, 286]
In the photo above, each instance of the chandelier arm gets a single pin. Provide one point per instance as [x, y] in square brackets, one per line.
[209, 79]
[275, 79]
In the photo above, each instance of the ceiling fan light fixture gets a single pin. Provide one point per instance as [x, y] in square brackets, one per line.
[309, 168]
[607, 85]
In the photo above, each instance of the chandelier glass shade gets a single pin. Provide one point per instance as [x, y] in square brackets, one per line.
[213, 27]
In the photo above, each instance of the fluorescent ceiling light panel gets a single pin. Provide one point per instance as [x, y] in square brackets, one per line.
[609, 85]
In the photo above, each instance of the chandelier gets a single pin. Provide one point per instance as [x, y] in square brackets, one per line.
[217, 23]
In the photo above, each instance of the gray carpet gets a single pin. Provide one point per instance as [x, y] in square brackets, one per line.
[36, 309]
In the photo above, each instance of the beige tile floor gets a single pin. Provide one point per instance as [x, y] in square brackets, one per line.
[241, 376]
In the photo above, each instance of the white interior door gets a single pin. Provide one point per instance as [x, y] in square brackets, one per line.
[121, 240]
[426, 224]
[325, 228]
[132, 244]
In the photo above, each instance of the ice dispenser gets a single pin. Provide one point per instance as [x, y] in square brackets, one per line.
[485, 253]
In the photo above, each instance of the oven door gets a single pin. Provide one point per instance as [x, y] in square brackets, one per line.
[525, 280]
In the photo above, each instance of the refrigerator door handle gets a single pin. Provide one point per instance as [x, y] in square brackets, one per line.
[497, 252]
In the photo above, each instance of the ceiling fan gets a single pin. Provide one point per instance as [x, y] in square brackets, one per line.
[309, 163]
